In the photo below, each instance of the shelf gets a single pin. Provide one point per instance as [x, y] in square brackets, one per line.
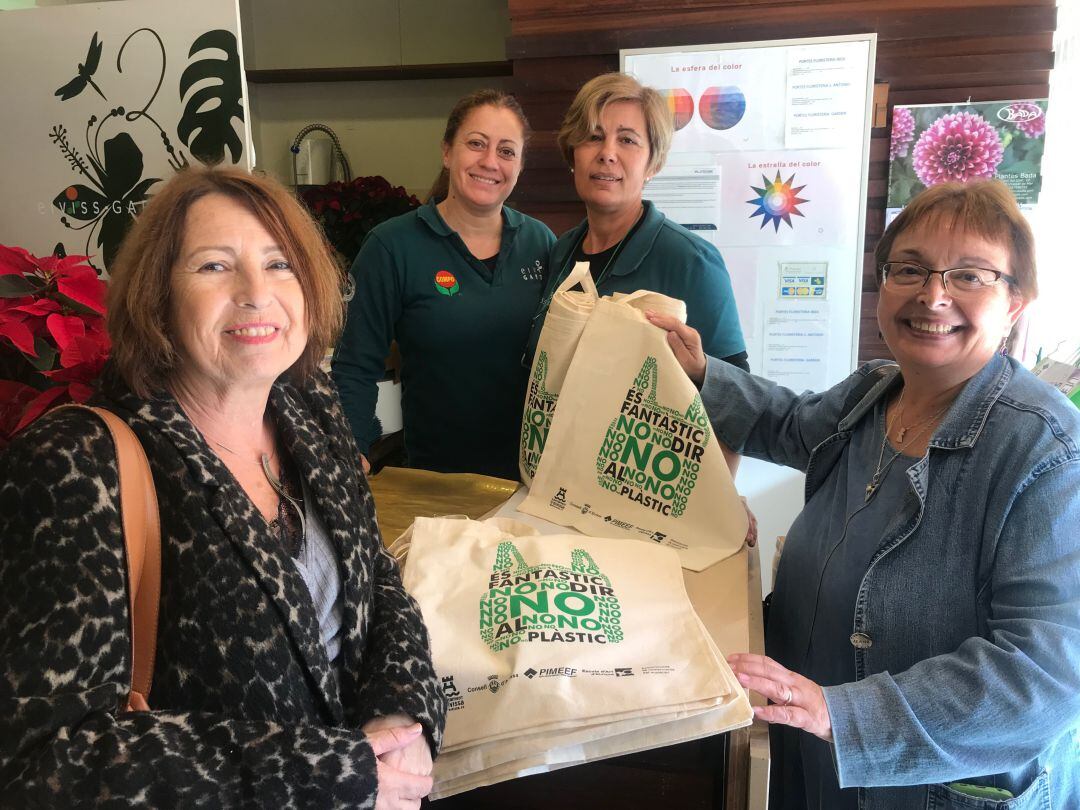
[449, 70]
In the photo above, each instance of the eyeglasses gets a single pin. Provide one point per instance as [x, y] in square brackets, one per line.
[957, 280]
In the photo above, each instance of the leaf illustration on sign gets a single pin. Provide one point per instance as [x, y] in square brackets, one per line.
[86, 73]
[548, 603]
[210, 110]
[118, 191]
[651, 454]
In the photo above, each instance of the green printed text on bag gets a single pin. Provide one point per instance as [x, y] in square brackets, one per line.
[539, 406]
[548, 602]
[652, 454]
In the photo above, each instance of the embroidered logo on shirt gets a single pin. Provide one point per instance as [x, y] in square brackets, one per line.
[535, 272]
[446, 282]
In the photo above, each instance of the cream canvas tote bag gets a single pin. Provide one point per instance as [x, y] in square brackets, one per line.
[568, 312]
[631, 451]
[535, 633]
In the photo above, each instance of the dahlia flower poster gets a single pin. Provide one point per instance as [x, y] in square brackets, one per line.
[933, 144]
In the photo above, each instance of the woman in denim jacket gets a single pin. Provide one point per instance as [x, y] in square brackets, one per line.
[925, 625]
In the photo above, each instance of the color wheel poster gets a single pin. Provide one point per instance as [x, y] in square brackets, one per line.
[932, 144]
[767, 163]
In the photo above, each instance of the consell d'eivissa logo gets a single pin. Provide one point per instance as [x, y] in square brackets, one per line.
[548, 603]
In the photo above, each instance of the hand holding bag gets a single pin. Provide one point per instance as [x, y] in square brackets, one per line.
[631, 451]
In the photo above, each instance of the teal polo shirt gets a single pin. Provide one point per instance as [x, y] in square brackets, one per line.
[666, 258]
[461, 328]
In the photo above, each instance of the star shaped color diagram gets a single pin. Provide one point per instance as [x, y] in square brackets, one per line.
[776, 201]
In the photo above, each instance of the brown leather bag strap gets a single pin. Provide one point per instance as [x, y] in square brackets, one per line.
[142, 541]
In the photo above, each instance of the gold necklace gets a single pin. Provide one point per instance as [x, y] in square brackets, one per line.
[880, 470]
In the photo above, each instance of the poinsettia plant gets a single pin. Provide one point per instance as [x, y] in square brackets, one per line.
[53, 342]
[347, 211]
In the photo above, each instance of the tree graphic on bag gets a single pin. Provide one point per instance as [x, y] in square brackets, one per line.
[652, 454]
[548, 602]
[539, 408]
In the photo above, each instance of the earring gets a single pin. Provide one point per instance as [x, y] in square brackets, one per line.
[571, 170]
[1003, 349]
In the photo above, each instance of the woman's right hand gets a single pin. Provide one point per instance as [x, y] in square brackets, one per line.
[365, 465]
[398, 790]
[685, 342]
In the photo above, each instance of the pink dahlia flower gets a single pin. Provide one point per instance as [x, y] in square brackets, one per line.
[957, 147]
[903, 132]
[1029, 118]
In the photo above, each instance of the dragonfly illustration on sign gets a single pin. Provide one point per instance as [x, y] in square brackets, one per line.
[86, 73]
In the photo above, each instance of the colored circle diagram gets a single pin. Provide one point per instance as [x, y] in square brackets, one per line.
[681, 104]
[722, 107]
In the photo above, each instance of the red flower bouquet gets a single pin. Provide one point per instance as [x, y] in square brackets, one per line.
[53, 342]
[347, 211]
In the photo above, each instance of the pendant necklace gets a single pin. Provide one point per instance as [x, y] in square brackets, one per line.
[275, 482]
[881, 469]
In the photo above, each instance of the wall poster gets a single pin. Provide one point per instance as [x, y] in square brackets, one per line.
[932, 144]
[768, 163]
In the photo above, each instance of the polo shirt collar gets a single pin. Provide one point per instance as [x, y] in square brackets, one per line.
[633, 253]
[429, 215]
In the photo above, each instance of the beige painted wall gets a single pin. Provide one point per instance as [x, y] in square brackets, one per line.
[387, 128]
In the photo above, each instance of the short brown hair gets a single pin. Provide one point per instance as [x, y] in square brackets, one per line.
[583, 116]
[140, 285]
[983, 207]
[487, 97]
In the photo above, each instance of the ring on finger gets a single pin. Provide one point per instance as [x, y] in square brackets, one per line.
[787, 696]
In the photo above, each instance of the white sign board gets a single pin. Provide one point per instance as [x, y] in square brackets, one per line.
[769, 163]
[102, 101]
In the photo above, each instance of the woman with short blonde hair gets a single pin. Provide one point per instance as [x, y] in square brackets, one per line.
[615, 137]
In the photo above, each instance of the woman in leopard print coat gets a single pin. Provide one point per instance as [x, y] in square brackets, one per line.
[249, 707]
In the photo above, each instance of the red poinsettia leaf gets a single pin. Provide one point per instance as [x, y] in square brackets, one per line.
[39, 404]
[80, 392]
[82, 284]
[16, 261]
[41, 306]
[16, 330]
[14, 397]
[65, 328]
[45, 355]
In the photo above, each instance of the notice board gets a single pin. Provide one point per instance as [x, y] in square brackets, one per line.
[769, 163]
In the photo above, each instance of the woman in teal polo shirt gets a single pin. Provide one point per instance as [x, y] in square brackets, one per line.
[615, 137]
[455, 282]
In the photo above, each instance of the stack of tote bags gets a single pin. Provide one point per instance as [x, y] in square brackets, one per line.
[555, 650]
[615, 441]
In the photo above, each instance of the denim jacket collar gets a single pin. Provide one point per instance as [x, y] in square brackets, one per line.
[967, 415]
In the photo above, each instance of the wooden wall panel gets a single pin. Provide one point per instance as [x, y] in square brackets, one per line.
[929, 51]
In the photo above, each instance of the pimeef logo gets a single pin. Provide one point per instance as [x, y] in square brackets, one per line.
[539, 408]
[651, 455]
[446, 282]
[548, 602]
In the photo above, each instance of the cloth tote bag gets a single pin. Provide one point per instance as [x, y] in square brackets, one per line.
[568, 311]
[631, 452]
[543, 661]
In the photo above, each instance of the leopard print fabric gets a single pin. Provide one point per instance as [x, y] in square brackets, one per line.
[246, 709]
